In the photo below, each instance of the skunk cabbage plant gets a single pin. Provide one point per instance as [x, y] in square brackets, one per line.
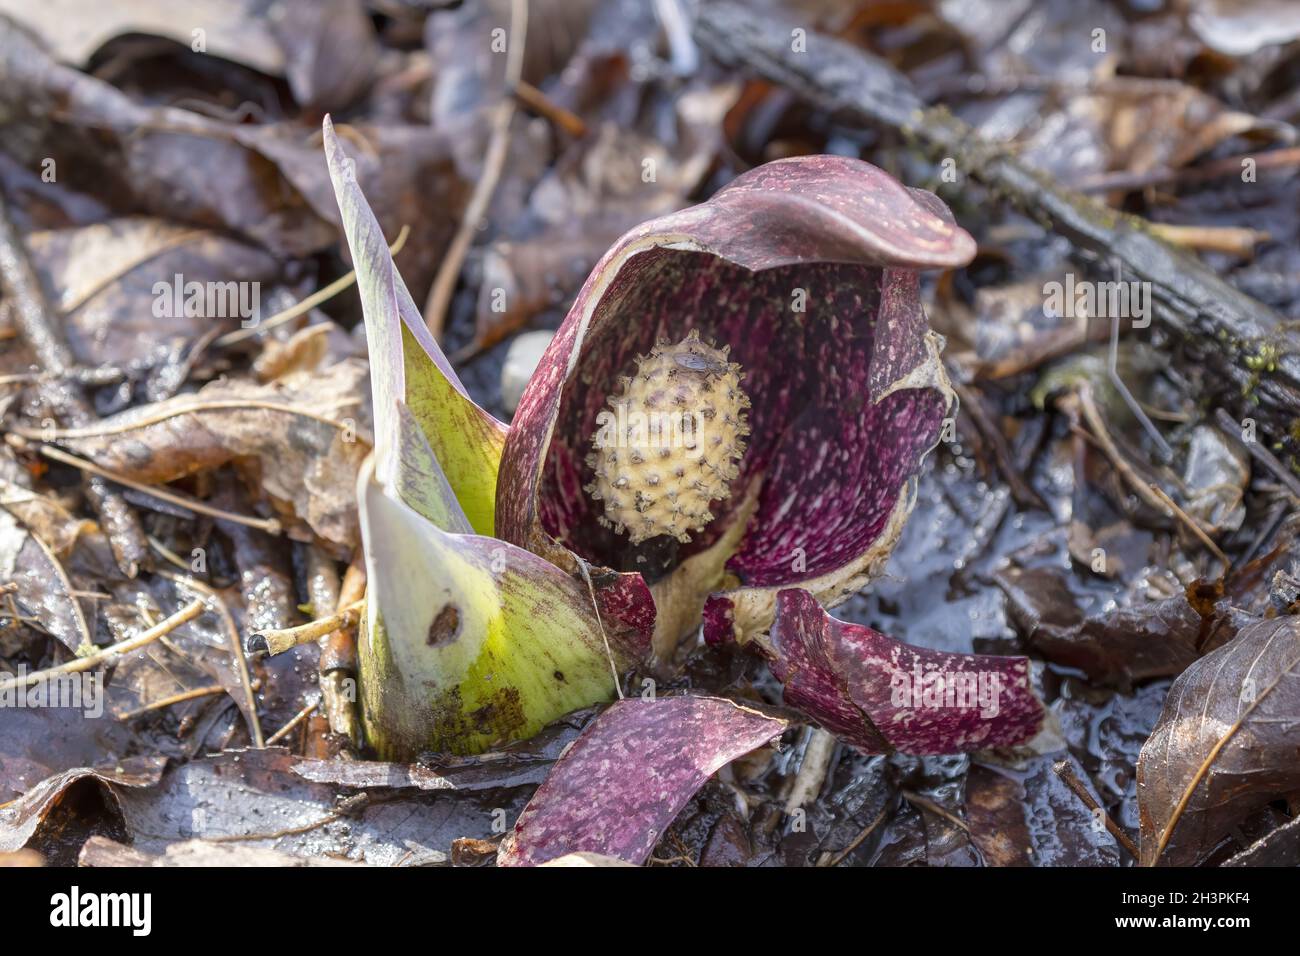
[729, 423]
[468, 641]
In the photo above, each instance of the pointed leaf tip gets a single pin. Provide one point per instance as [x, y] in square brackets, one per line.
[406, 364]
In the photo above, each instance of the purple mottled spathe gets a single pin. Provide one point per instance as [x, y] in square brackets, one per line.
[806, 269]
[629, 774]
[881, 695]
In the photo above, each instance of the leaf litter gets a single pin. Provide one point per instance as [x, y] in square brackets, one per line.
[1161, 678]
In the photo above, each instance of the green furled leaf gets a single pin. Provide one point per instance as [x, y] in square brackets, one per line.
[470, 642]
[407, 366]
[419, 480]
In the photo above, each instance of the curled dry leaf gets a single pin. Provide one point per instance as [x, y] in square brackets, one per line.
[256, 798]
[300, 440]
[44, 516]
[628, 775]
[37, 742]
[1120, 646]
[42, 591]
[1240, 29]
[75, 29]
[20, 819]
[160, 160]
[1225, 744]
[326, 50]
[1139, 129]
[262, 182]
[105, 276]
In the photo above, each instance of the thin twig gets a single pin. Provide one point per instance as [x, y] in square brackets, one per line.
[857, 840]
[609, 654]
[1190, 522]
[35, 320]
[269, 525]
[309, 303]
[1231, 240]
[32, 315]
[1259, 453]
[278, 640]
[541, 104]
[925, 802]
[1092, 415]
[180, 698]
[1071, 780]
[1230, 332]
[972, 402]
[107, 654]
[338, 659]
[232, 635]
[444, 284]
[298, 718]
[1117, 380]
[1227, 166]
[339, 650]
[217, 405]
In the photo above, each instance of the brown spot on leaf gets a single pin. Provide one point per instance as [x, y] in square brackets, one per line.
[445, 627]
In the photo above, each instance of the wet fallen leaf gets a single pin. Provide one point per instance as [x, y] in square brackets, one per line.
[21, 818]
[1279, 847]
[105, 273]
[1123, 645]
[1225, 744]
[101, 851]
[42, 593]
[37, 742]
[253, 798]
[1026, 816]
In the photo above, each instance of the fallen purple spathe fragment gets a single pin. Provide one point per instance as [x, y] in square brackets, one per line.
[629, 774]
[882, 695]
[806, 270]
